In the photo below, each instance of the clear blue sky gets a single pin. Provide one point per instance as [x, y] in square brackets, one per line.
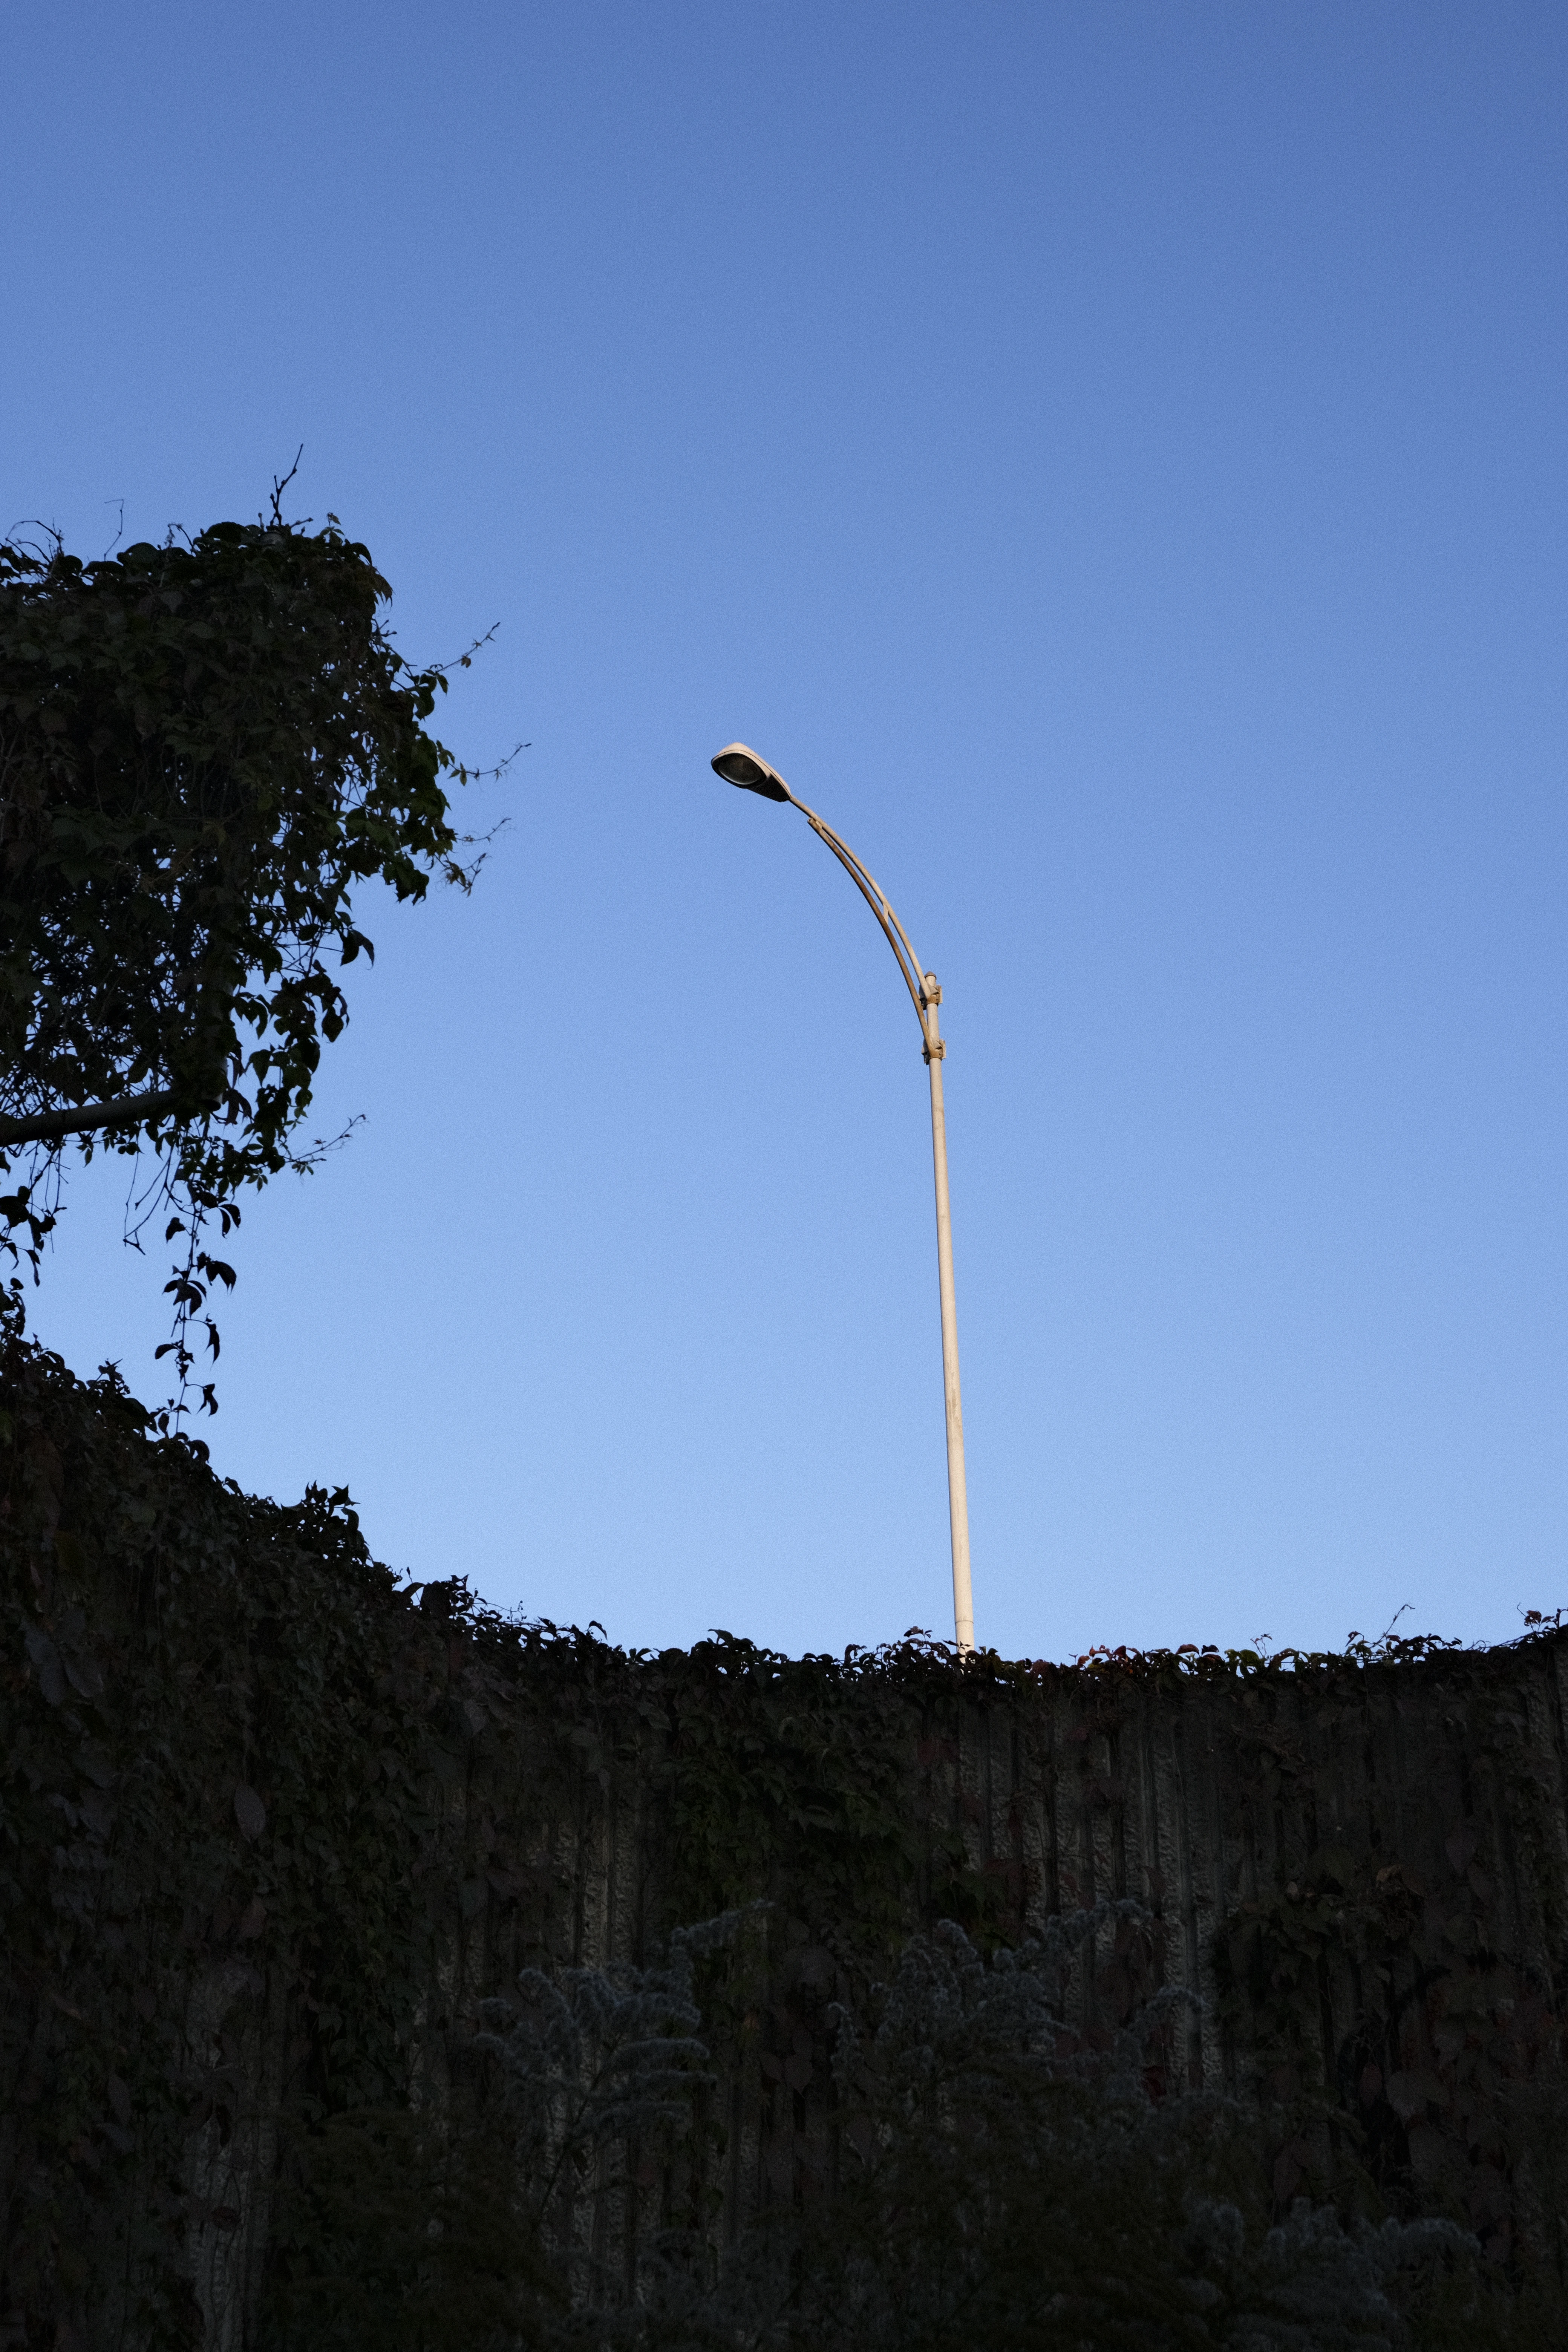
[1111, 457]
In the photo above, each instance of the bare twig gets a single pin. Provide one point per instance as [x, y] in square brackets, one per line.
[278, 486]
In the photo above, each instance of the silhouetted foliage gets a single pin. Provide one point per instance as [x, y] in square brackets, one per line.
[306, 1891]
[205, 749]
[997, 2183]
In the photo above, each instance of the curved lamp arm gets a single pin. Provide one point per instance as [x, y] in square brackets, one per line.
[738, 764]
[897, 939]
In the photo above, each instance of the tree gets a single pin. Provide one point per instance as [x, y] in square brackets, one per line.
[204, 747]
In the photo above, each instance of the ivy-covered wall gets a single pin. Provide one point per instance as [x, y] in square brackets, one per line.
[271, 1827]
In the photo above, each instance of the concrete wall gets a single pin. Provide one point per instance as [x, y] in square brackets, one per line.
[1360, 1873]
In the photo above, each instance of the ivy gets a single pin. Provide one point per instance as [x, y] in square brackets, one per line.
[206, 749]
[276, 1827]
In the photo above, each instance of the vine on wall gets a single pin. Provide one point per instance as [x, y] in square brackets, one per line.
[273, 1826]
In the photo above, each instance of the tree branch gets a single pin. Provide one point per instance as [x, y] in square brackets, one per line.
[47, 1125]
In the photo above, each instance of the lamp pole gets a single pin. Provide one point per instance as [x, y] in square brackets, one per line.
[740, 765]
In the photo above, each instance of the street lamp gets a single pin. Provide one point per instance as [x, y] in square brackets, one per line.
[738, 764]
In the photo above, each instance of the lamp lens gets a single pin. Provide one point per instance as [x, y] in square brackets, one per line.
[738, 765]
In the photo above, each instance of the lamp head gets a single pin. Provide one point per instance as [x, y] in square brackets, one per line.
[738, 764]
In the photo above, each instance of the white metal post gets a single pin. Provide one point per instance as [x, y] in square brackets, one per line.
[738, 764]
[957, 1487]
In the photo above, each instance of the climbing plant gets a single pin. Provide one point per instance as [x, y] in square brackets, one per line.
[295, 1858]
[206, 748]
